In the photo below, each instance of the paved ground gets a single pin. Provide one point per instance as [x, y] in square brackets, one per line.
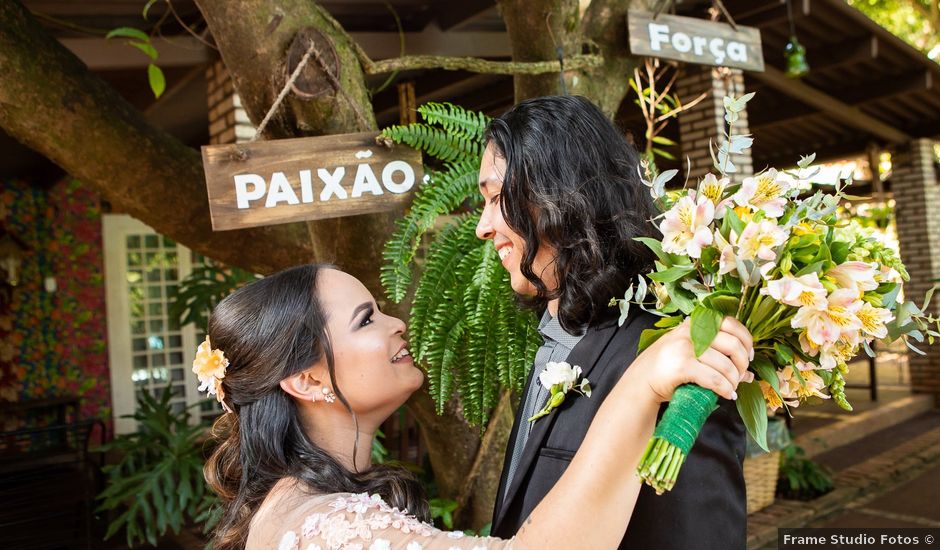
[890, 478]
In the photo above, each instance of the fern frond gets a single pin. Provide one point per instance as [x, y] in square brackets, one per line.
[480, 387]
[436, 142]
[444, 193]
[440, 275]
[442, 346]
[455, 119]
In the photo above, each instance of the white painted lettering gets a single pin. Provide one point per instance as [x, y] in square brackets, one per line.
[681, 42]
[699, 43]
[716, 46]
[659, 35]
[737, 51]
[365, 181]
[331, 183]
[280, 190]
[398, 166]
[306, 187]
[242, 194]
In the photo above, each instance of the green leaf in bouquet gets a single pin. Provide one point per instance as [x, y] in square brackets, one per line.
[666, 258]
[731, 284]
[723, 302]
[734, 222]
[761, 313]
[682, 298]
[839, 252]
[671, 274]
[753, 411]
[927, 296]
[705, 325]
[784, 353]
[804, 162]
[803, 241]
[815, 267]
[766, 371]
[650, 335]
[823, 255]
[889, 294]
[740, 143]
[709, 259]
[668, 322]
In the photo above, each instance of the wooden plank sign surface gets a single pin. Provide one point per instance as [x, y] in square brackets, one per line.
[289, 180]
[694, 41]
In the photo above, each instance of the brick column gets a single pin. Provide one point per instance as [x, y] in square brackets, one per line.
[706, 121]
[917, 195]
[228, 121]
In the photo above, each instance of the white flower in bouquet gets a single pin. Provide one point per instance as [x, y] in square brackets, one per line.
[805, 290]
[686, 226]
[713, 189]
[812, 384]
[766, 191]
[858, 276]
[827, 325]
[759, 239]
[874, 320]
[727, 260]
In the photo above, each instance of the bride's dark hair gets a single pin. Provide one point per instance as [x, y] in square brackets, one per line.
[270, 330]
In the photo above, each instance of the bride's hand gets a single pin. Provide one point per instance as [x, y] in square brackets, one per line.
[671, 361]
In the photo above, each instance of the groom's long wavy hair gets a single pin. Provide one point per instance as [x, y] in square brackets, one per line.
[270, 330]
[571, 182]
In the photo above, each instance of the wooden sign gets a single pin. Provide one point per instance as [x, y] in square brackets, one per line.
[289, 180]
[695, 41]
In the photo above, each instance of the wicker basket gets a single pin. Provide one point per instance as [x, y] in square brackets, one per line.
[760, 479]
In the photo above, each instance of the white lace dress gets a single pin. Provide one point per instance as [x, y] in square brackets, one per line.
[347, 521]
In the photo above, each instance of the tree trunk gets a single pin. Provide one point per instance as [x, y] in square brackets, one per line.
[605, 24]
[52, 103]
[254, 37]
[536, 29]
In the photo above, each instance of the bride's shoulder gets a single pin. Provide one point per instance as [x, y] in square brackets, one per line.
[342, 520]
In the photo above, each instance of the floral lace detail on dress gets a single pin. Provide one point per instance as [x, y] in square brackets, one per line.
[363, 522]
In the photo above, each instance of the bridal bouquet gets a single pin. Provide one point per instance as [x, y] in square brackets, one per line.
[811, 289]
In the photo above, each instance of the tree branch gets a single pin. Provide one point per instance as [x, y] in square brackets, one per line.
[483, 66]
[50, 102]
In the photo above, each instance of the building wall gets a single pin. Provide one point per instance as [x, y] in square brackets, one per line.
[53, 343]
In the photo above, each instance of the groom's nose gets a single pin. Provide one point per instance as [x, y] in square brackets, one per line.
[485, 225]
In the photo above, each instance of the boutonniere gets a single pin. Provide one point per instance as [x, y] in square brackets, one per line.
[560, 378]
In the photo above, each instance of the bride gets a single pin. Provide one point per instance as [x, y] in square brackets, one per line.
[309, 368]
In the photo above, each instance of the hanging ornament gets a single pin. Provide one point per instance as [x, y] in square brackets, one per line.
[794, 53]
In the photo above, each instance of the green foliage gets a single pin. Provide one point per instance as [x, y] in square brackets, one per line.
[464, 326]
[800, 478]
[443, 509]
[914, 21]
[141, 40]
[158, 484]
[198, 293]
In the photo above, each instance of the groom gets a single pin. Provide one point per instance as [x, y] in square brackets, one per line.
[563, 203]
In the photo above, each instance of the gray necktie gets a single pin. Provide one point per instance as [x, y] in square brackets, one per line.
[534, 399]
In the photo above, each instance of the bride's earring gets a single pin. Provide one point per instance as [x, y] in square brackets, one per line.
[328, 395]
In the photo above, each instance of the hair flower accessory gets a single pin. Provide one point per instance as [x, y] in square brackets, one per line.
[209, 366]
[560, 378]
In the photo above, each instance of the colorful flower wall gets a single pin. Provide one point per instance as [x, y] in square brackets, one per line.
[53, 344]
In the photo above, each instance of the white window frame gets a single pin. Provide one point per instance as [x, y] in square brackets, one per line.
[115, 229]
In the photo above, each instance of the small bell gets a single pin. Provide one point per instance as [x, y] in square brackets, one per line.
[795, 55]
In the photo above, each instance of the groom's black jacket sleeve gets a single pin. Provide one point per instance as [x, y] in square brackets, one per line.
[705, 510]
